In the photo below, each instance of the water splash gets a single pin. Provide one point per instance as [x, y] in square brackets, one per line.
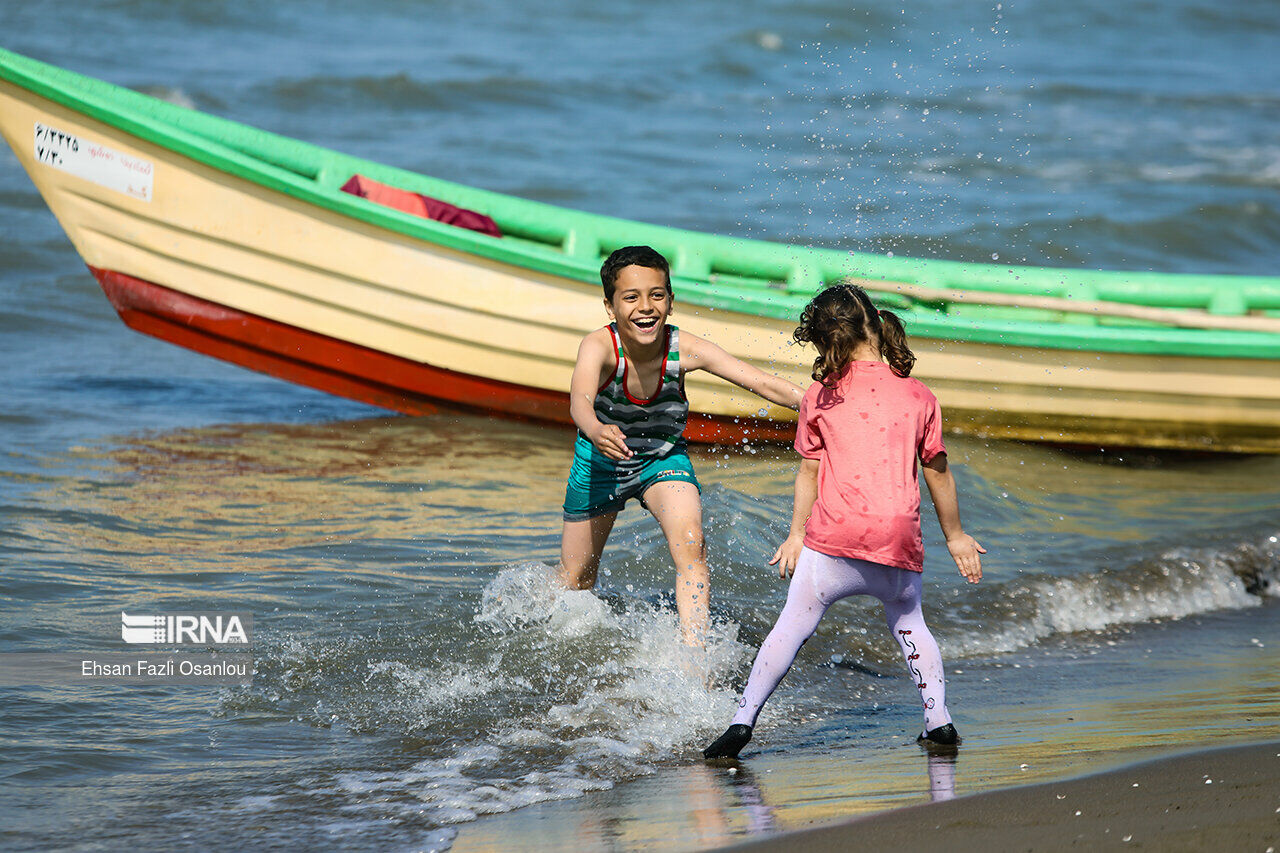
[546, 694]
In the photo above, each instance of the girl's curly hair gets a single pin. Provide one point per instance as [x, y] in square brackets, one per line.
[840, 318]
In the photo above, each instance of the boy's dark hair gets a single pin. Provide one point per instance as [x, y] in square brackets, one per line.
[841, 317]
[640, 256]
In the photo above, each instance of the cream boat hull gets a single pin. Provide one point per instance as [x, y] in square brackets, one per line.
[226, 266]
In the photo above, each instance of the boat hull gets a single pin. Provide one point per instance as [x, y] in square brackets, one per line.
[234, 269]
[358, 373]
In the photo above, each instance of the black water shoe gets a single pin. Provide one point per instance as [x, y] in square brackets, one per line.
[942, 735]
[731, 742]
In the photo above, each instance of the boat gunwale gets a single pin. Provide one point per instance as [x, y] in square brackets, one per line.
[581, 245]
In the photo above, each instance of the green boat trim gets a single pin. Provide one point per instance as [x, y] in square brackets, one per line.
[712, 271]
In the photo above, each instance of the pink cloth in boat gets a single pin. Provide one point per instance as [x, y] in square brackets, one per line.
[867, 434]
[421, 205]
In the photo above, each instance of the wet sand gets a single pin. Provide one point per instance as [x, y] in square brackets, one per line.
[1063, 710]
[1223, 799]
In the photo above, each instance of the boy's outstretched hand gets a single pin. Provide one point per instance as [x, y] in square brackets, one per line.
[610, 441]
[965, 550]
[787, 554]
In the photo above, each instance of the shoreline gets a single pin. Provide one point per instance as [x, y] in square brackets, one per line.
[1049, 714]
[1224, 797]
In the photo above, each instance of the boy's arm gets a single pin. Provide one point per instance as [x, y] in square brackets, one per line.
[964, 548]
[806, 493]
[700, 354]
[584, 384]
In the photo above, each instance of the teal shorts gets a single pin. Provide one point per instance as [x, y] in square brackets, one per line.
[598, 485]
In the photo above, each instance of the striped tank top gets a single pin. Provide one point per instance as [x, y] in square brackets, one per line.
[653, 427]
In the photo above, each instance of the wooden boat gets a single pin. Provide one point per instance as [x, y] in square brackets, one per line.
[242, 245]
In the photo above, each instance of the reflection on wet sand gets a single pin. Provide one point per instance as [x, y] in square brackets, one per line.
[942, 777]
[701, 806]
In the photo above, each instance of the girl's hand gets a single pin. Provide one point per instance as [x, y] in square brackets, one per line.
[965, 550]
[787, 555]
[610, 441]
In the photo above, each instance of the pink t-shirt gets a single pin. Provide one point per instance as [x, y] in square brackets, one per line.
[867, 434]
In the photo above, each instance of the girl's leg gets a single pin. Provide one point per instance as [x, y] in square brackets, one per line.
[816, 585]
[678, 507]
[581, 544]
[901, 593]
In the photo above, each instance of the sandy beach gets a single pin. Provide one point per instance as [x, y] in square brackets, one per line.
[1224, 799]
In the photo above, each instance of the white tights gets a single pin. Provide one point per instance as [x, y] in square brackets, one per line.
[821, 581]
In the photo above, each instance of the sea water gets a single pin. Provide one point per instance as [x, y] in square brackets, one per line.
[418, 672]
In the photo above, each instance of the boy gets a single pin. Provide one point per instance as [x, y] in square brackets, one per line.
[627, 399]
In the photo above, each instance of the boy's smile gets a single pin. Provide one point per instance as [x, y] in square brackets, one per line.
[640, 304]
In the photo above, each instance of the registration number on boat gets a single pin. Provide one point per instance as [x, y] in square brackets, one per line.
[94, 162]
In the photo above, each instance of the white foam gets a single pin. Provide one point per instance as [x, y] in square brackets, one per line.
[529, 594]
[610, 694]
[768, 40]
[1180, 584]
[1256, 165]
[424, 694]
[258, 803]
[171, 94]
[432, 688]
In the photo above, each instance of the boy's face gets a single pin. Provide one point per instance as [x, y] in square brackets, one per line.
[640, 303]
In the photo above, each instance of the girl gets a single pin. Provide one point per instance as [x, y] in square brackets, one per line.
[855, 529]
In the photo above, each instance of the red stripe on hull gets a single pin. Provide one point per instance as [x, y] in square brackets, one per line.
[358, 372]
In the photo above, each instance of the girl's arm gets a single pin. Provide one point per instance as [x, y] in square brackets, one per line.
[699, 354]
[607, 438]
[963, 547]
[806, 493]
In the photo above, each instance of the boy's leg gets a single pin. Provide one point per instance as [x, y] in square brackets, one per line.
[677, 506]
[581, 544]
